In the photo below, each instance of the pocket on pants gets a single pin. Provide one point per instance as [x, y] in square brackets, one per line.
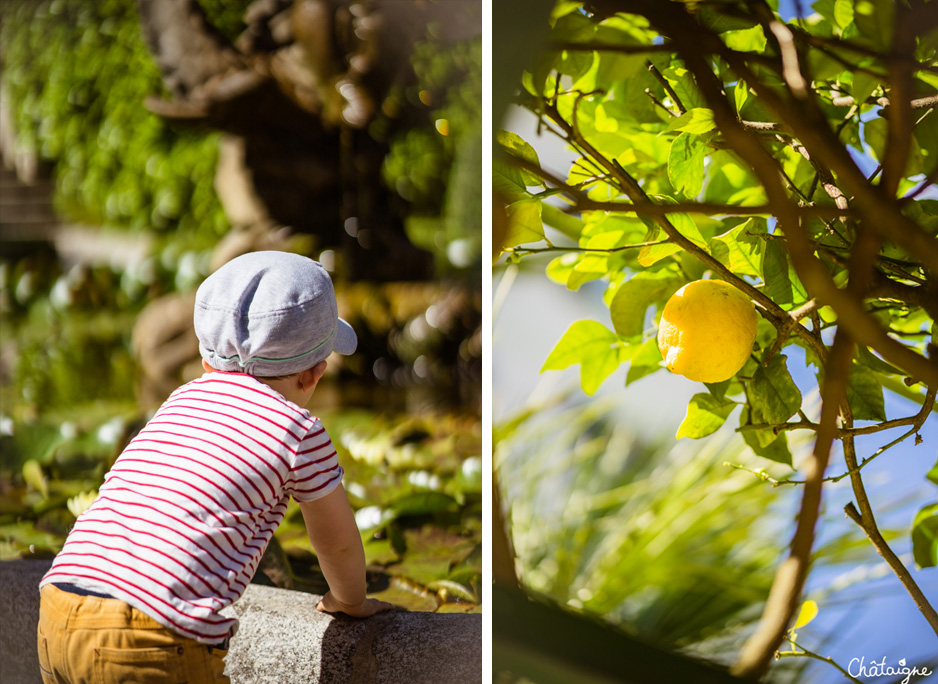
[45, 665]
[165, 665]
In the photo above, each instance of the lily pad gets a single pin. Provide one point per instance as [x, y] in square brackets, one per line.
[408, 596]
[430, 554]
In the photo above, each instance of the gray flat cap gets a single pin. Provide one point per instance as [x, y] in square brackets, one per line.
[268, 314]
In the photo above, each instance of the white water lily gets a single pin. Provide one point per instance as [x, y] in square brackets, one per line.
[80, 503]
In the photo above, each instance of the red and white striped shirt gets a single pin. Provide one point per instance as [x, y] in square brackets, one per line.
[185, 513]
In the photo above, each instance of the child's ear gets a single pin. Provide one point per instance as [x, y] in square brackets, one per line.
[311, 376]
[208, 368]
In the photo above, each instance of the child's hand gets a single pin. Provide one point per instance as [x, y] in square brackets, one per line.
[366, 608]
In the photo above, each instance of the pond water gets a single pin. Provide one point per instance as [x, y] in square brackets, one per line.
[72, 394]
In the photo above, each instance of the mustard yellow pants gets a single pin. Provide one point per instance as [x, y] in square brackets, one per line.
[91, 640]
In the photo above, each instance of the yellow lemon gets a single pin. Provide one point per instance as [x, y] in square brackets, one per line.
[707, 329]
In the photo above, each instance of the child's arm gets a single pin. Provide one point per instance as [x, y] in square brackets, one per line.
[331, 526]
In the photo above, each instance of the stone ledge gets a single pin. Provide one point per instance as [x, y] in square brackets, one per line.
[283, 639]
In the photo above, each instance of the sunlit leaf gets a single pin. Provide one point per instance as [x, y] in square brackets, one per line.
[571, 226]
[683, 84]
[524, 223]
[645, 361]
[705, 415]
[741, 248]
[633, 298]
[807, 613]
[698, 120]
[652, 254]
[560, 268]
[686, 163]
[593, 346]
[514, 145]
[746, 40]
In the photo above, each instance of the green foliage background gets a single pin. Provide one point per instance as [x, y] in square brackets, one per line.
[76, 74]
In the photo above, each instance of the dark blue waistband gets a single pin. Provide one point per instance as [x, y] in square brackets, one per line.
[73, 589]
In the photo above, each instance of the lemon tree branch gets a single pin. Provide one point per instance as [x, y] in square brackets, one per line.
[868, 524]
[790, 577]
[805, 653]
[775, 314]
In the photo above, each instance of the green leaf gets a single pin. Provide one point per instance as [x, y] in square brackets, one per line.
[560, 268]
[514, 144]
[865, 394]
[926, 135]
[646, 361]
[773, 394]
[719, 21]
[774, 449]
[843, 13]
[874, 135]
[593, 346]
[524, 223]
[652, 254]
[561, 221]
[863, 86]
[746, 40]
[775, 273]
[740, 95]
[705, 415]
[508, 182]
[875, 21]
[718, 389]
[685, 87]
[741, 248]
[589, 267]
[697, 120]
[686, 163]
[634, 297]
[925, 537]
[683, 222]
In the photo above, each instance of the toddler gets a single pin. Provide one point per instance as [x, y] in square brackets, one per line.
[185, 513]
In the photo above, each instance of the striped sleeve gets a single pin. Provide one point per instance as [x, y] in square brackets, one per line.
[316, 470]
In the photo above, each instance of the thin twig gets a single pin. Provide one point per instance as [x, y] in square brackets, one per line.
[660, 104]
[708, 208]
[588, 250]
[916, 422]
[868, 525]
[667, 88]
[610, 47]
[784, 331]
[780, 427]
[810, 654]
[881, 450]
